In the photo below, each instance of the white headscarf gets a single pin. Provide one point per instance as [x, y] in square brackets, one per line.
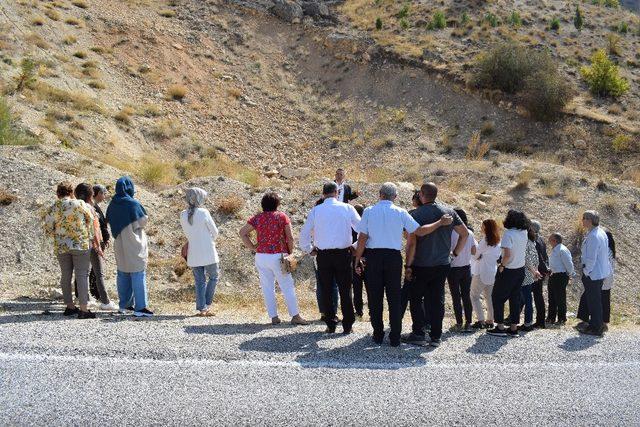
[195, 198]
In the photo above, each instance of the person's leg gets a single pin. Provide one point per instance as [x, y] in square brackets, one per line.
[326, 280]
[318, 292]
[375, 285]
[552, 312]
[561, 297]
[392, 280]
[343, 273]
[285, 281]
[475, 293]
[593, 289]
[417, 294]
[97, 268]
[606, 306]
[335, 293]
[499, 296]
[465, 293]
[454, 287]
[487, 292]
[267, 283]
[81, 263]
[66, 274]
[538, 299]
[515, 295]
[583, 311]
[404, 296]
[357, 292]
[125, 290]
[139, 285]
[200, 287]
[527, 300]
[435, 299]
[213, 272]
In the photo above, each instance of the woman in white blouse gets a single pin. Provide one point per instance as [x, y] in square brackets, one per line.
[202, 257]
[484, 268]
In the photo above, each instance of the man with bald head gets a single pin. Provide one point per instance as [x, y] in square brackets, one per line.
[428, 263]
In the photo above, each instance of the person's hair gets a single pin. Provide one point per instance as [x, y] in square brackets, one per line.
[536, 226]
[388, 191]
[64, 189]
[83, 192]
[557, 237]
[491, 231]
[97, 189]
[429, 190]
[270, 202]
[592, 216]
[516, 219]
[416, 198]
[463, 217]
[359, 209]
[340, 170]
[612, 243]
[531, 234]
[329, 188]
[319, 201]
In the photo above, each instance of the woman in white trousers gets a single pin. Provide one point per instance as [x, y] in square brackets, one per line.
[485, 256]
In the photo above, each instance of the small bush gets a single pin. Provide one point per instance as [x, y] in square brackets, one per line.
[623, 28]
[612, 3]
[52, 14]
[167, 13]
[81, 54]
[378, 23]
[404, 12]
[38, 21]
[546, 94]
[27, 76]
[476, 150]
[35, 39]
[439, 20]
[613, 44]
[10, 134]
[165, 129]
[622, 143]
[554, 24]
[155, 172]
[97, 84]
[603, 76]
[234, 92]
[74, 22]
[524, 179]
[231, 205]
[404, 24]
[69, 39]
[124, 115]
[82, 4]
[491, 19]
[464, 19]
[177, 92]
[578, 19]
[6, 198]
[515, 19]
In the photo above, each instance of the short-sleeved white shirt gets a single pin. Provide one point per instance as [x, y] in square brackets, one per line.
[516, 241]
[384, 223]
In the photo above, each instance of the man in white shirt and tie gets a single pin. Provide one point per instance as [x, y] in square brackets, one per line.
[595, 268]
[345, 193]
[380, 240]
[327, 232]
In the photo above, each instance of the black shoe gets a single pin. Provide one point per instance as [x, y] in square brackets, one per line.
[582, 325]
[560, 323]
[330, 330]
[377, 338]
[478, 325]
[497, 332]
[145, 312]
[467, 328]
[414, 339]
[70, 311]
[590, 331]
[394, 343]
[539, 325]
[346, 330]
[525, 328]
[435, 342]
[86, 315]
[512, 333]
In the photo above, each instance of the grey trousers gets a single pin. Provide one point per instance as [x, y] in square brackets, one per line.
[97, 264]
[76, 262]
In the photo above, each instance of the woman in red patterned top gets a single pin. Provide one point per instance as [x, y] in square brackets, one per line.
[275, 240]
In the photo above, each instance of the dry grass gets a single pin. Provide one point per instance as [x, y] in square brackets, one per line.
[231, 205]
[234, 92]
[550, 188]
[78, 100]
[97, 84]
[572, 196]
[176, 92]
[124, 115]
[74, 22]
[475, 149]
[69, 39]
[167, 128]
[37, 21]
[149, 110]
[524, 179]
[80, 54]
[36, 40]
[610, 203]
[216, 164]
[167, 13]
[6, 198]
[155, 172]
[82, 4]
[52, 14]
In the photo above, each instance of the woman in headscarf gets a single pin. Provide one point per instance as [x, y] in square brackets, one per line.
[127, 219]
[202, 257]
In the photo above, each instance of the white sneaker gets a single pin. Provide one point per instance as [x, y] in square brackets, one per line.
[109, 307]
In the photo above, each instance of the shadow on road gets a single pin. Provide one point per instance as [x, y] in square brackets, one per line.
[232, 328]
[487, 344]
[579, 343]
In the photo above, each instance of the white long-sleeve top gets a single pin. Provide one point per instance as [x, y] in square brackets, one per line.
[201, 235]
[329, 225]
[464, 257]
[486, 259]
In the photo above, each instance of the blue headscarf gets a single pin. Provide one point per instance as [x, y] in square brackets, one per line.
[123, 209]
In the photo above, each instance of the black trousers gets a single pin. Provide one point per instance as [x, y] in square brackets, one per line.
[558, 297]
[358, 282]
[507, 288]
[384, 276]
[336, 264]
[405, 294]
[538, 299]
[459, 279]
[428, 285]
[583, 310]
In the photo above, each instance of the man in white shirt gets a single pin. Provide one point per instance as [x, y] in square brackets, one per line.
[345, 194]
[327, 232]
[561, 266]
[595, 268]
[380, 232]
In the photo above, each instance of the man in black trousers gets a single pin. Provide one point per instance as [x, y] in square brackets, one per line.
[327, 233]
[543, 268]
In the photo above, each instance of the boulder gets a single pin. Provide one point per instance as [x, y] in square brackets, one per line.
[402, 185]
[484, 197]
[287, 10]
[289, 173]
[481, 205]
[315, 9]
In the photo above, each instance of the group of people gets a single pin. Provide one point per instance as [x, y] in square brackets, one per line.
[355, 248]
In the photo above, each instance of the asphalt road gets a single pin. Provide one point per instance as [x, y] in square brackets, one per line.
[175, 370]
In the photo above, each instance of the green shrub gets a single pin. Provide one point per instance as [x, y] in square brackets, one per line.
[439, 20]
[578, 19]
[554, 24]
[404, 24]
[623, 28]
[515, 19]
[603, 76]
[612, 3]
[622, 143]
[10, 134]
[27, 76]
[404, 12]
[546, 94]
[464, 19]
[508, 65]
[378, 23]
[492, 19]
